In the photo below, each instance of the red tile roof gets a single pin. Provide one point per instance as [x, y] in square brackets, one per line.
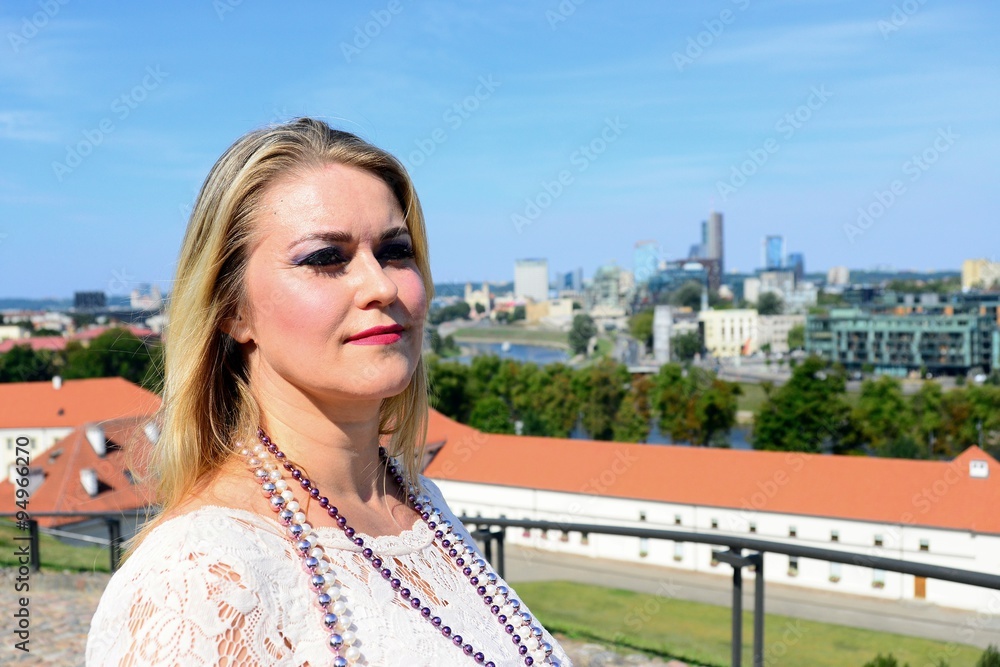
[41, 405]
[35, 343]
[94, 332]
[62, 490]
[895, 491]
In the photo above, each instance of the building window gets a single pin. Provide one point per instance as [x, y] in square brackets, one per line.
[563, 536]
[878, 540]
[584, 539]
[834, 572]
[753, 527]
[527, 531]
[678, 551]
[925, 545]
[714, 562]
[834, 536]
[878, 578]
[642, 516]
[643, 547]
[793, 566]
[677, 519]
[715, 523]
[793, 531]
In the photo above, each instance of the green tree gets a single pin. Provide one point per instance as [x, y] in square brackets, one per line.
[989, 658]
[583, 330]
[927, 406]
[693, 405]
[23, 364]
[640, 326]
[556, 404]
[491, 414]
[884, 661]
[883, 416]
[447, 388]
[770, 303]
[688, 294]
[601, 388]
[632, 423]
[808, 413]
[797, 337]
[685, 346]
[115, 353]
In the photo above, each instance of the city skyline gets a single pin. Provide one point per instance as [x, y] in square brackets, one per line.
[565, 130]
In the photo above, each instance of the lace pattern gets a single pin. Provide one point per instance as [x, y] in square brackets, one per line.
[224, 586]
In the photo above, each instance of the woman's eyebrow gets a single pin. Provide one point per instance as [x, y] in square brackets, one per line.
[338, 236]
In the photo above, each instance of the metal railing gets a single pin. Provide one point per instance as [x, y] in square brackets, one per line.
[492, 533]
[484, 530]
[113, 542]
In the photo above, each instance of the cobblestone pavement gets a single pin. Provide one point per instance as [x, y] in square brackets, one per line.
[61, 606]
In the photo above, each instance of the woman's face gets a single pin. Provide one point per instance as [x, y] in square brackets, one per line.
[334, 258]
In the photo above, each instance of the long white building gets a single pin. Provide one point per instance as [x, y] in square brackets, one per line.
[941, 513]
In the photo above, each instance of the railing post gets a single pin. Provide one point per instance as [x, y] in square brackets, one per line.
[758, 610]
[114, 540]
[500, 535]
[35, 557]
[737, 611]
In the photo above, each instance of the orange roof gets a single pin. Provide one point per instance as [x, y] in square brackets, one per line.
[35, 343]
[41, 405]
[94, 332]
[895, 491]
[62, 490]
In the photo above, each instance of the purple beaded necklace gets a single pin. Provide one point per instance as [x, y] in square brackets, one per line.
[505, 608]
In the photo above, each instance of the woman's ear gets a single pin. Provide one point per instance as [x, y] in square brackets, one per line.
[238, 329]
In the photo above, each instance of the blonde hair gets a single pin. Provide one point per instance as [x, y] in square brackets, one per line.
[207, 402]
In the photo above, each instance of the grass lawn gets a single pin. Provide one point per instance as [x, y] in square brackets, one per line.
[753, 397]
[512, 334]
[700, 633]
[55, 554]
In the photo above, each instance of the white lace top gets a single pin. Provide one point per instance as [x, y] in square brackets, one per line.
[224, 586]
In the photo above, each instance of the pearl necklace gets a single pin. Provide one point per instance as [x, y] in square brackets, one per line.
[326, 586]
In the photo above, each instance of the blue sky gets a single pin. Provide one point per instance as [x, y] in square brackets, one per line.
[866, 133]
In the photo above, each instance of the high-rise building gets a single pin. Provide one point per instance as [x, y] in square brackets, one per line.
[774, 253]
[89, 300]
[980, 273]
[713, 246]
[796, 263]
[645, 258]
[531, 279]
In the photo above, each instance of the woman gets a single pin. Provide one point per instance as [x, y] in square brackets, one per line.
[288, 535]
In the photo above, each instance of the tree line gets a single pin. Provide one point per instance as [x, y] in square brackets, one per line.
[809, 413]
[114, 353]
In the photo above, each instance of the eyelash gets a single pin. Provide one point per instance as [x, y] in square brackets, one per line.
[328, 257]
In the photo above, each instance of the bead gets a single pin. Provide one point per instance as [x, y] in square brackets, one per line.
[479, 657]
[340, 661]
[317, 581]
[415, 603]
[529, 661]
[436, 621]
[277, 502]
[457, 640]
[323, 600]
[281, 485]
[339, 607]
[467, 649]
[352, 654]
[446, 631]
[285, 516]
[316, 552]
[336, 641]
[293, 506]
[522, 650]
[268, 488]
[348, 636]
[547, 648]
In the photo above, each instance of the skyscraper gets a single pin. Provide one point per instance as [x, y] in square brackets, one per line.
[713, 239]
[774, 253]
[796, 263]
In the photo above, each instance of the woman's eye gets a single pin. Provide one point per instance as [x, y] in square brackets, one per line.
[324, 257]
[398, 251]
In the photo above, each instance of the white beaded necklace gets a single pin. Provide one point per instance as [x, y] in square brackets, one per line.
[263, 460]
